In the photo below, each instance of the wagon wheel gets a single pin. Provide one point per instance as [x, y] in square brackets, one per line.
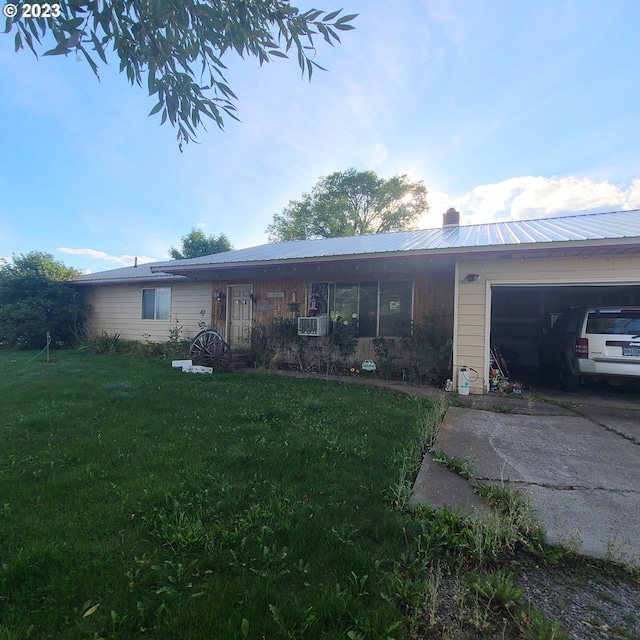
[208, 349]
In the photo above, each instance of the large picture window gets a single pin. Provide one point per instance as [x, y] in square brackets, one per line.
[156, 304]
[365, 309]
[396, 301]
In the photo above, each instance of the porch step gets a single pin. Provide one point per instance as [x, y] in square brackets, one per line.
[240, 361]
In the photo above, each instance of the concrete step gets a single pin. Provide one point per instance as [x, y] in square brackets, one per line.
[240, 361]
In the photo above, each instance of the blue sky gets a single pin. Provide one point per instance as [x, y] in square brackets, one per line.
[505, 109]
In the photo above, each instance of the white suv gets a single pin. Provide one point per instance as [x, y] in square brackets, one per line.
[594, 342]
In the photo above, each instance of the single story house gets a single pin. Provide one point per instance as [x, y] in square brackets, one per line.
[488, 283]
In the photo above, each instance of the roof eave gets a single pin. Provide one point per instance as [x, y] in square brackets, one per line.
[160, 277]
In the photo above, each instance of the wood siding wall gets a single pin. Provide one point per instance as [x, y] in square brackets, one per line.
[472, 322]
[433, 291]
[290, 289]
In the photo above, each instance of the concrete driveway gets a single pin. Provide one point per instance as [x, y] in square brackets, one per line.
[581, 473]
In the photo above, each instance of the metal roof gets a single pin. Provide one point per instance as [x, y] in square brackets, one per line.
[619, 228]
[514, 233]
[141, 273]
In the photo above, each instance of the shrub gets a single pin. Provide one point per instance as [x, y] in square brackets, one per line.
[260, 347]
[111, 344]
[384, 361]
[343, 340]
[289, 346]
[102, 343]
[429, 350]
[37, 298]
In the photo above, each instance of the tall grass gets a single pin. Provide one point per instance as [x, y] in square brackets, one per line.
[140, 502]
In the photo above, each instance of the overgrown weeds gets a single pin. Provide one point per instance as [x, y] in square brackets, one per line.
[408, 460]
[464, 566]
[458, 582]
[103, 343]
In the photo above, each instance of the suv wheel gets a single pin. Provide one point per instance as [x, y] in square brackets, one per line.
[568, 381]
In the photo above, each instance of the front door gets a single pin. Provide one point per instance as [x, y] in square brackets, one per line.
[239, 315]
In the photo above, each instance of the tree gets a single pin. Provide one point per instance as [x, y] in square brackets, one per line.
[36, 297]
[195, 244]
[351, 203]
[177, 47]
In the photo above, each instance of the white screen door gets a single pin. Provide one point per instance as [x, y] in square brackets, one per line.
[240, 315]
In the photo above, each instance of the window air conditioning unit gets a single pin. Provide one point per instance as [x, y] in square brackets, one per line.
[314, 326]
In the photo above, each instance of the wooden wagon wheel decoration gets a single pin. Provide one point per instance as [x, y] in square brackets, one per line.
[208, 349]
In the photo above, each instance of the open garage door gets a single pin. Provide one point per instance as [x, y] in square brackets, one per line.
[520, 313]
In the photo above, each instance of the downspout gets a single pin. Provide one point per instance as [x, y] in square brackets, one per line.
[487, 336]
[454, 359]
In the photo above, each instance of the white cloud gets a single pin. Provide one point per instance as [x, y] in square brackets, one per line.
[377, 154]
[125, 260]
[530, 197]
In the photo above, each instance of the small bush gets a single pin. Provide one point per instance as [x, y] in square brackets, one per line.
[429, 350]
[290, 348]
[384, 360]
[260, 346]
[343, 339]
[103, 343]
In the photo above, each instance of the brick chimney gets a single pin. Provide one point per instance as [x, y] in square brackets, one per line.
[451, 218]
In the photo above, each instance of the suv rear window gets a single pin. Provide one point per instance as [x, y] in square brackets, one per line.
[621, 323]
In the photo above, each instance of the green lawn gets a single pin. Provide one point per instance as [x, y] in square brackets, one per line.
[137, 501]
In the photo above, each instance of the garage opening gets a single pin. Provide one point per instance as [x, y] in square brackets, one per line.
[520, 313]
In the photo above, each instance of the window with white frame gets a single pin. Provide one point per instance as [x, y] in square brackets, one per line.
[365, 309]
[156, 303]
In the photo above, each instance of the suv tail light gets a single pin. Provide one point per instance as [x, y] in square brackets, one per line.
[582, 348]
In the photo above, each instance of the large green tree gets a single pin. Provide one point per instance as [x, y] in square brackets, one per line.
[36, 297]
[351, 203]
[195, 245]
[177, 47]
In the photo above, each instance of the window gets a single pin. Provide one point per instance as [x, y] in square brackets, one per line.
[365, 309]
[622, 323]
[319, 299]
[156, 304]
[395, 308]
[344, 309]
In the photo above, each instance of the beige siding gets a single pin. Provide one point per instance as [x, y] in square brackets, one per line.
[118, 309]
[473, 304]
